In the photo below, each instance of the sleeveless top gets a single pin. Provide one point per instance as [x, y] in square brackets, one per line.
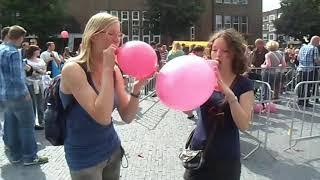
[225, 144]
[87, 142]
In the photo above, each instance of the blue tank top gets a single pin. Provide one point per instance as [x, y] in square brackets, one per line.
[87, 142]
[226, 143]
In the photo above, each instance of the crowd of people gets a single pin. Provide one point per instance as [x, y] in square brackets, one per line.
[93, 86]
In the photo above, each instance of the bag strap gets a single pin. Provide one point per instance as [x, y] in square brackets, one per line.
[213, 131]
[73, 101]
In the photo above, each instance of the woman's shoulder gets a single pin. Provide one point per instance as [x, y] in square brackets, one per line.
[244, 83]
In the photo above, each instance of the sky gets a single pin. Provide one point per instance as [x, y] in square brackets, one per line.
[270, 5]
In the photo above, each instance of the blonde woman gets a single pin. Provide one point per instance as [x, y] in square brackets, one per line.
[94, 87]
[274, 61]
[176, 51]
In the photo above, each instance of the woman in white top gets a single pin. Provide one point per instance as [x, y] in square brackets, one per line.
[35, 80]
[272, 66]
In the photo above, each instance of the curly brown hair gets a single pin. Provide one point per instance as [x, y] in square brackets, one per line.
[236, 43]
[31, 50]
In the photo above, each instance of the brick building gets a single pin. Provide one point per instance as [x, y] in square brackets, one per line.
[243, 15]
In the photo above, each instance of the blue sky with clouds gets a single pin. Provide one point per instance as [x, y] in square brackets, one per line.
[270, 5]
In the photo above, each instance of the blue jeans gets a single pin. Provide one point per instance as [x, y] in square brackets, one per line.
[19, 133]
[37, 102]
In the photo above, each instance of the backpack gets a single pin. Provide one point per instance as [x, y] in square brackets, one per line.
[54, 114]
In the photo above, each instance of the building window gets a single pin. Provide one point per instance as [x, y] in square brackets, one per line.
[218, 1]
[135, 23]
[124, 15]
[243, 1]
[135, 15]
[135, 38]
[146, 38]
[156, 39]
[265, 27]
[192, 33]
[144, 16]
[271, 28]
[218, 22]
[227, 22]
[235, 22]
[265, 18]
[125, 39]
[125, 27]
[135, 31]
[265, 36]
[272, 18]
[235, 1]
[114, 13]
[227, 1]
[244, 24]
[272, 36]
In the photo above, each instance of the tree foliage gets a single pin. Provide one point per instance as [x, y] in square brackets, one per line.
[42, 18]
[173, 17]
[299, 18]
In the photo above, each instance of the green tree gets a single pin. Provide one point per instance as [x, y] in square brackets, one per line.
[300, 18]
[42, 18]
[172, 18]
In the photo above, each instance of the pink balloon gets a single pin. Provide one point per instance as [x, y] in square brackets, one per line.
[137, 59]
[185, 83]
[271, 107]
[64, 34]
[257, 108]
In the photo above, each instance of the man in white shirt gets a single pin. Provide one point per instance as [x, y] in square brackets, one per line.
[51, 58]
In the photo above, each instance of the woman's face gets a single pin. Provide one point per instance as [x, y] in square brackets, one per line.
[108, 36]
[221, 53]
[36, 53]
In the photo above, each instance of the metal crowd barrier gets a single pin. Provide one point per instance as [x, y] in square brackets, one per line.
[257, 135]
[305, 124]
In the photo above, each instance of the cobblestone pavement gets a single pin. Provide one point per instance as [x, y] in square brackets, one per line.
[154, 140]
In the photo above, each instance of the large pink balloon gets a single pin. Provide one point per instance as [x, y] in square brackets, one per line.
[137, 59]
[185, 83]
[64, 34]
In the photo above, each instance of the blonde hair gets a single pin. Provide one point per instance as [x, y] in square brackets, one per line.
[96, 23]
[272, 45]
[176, 46]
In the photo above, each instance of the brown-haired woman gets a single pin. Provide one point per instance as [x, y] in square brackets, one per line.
[34, 81]
[225, 112]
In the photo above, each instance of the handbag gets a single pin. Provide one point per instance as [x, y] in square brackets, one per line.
[194, 159]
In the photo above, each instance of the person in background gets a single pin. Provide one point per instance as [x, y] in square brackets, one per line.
[33, 42]
[272, 67]
[16, 102]
[66, 54]
[176, 51]
[196, 51]
[4, 38]
[308, 58]
[52, 59]
[156, 49]
[4, 34]
[25, 45]
[163, 54]
[93, 84]
[228, 110]
[34, 83]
